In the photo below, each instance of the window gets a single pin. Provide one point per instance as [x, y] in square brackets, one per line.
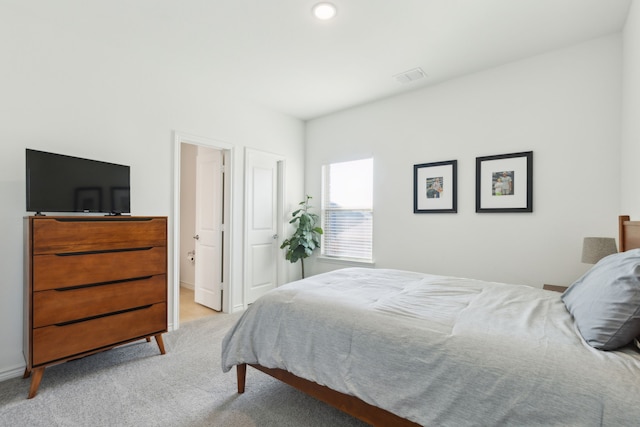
[347, 210]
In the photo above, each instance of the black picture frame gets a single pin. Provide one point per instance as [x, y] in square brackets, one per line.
[120, 199]
[504, 183]
[88, 199]
[435, 187]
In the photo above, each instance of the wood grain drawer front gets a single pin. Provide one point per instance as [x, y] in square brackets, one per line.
[52, 235]
[59, 342]
[53, 306]
[55, 271]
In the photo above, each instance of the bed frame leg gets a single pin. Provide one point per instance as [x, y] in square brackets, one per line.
[242, 376]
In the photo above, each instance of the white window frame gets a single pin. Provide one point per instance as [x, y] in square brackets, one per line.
[357, 207]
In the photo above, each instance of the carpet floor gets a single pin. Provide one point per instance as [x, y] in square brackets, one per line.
[134, 385]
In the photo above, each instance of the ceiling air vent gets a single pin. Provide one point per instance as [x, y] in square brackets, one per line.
[411, 75]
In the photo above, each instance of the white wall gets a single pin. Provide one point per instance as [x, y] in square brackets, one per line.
[93, 82]
[565, 106]
[631, 111]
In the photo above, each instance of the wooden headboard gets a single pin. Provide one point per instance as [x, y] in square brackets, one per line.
[629, 237]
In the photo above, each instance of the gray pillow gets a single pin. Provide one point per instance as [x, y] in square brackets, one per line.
[605, 301]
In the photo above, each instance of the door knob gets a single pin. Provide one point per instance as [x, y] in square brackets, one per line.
[197, 237]
[275, 236]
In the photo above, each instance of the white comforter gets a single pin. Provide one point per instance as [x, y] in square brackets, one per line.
[439, 351]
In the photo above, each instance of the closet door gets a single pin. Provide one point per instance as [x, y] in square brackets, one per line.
[262, 253]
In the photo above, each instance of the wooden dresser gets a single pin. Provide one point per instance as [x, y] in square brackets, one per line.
[91, 283]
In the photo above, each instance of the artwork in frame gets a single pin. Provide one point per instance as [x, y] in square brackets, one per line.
[435, 187]
[120, 199]
[504, 183]
[88, 199]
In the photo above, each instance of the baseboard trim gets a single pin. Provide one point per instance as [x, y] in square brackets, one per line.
[10, 373]
[189, 286]
[237, 308]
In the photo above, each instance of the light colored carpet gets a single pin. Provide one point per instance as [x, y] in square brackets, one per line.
[136, 386]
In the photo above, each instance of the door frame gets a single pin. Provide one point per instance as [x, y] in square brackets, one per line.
[227, 261]
[281, 276]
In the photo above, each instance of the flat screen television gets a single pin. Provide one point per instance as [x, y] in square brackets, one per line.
[60, 183]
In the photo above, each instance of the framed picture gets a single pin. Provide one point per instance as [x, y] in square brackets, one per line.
[88, 199]
[504, 183]
[120, 199]
[435, 187]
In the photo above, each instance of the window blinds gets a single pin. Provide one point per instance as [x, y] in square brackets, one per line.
[347, 210]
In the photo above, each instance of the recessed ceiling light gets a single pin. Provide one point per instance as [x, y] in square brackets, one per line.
[324, 11]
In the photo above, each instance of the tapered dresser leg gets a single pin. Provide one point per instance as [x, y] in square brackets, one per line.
[35, 382]
[160, 343]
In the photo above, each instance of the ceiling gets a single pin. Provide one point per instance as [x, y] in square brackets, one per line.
[281, 56]
[275, 53]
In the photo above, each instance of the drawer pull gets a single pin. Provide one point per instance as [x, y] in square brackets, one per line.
[146, 248]
[71, 322]
[91, 285]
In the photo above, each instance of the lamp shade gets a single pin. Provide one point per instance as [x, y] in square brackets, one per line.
[596, 248]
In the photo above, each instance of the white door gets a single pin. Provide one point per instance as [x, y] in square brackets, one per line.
[262, 251]
[209, 227]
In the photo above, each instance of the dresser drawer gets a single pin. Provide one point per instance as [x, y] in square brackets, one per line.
[63, 235]
[58, 342]
[62, 271]
[54, 306]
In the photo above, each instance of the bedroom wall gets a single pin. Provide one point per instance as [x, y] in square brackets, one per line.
[630, 112]
[114, 87]
[565, 106]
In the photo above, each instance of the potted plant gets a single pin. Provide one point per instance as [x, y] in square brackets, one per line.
[306, 238]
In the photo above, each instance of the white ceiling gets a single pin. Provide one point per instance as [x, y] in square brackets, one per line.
[276, 53]
[288, 60]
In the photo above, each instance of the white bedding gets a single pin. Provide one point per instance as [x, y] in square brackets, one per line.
[439, 350]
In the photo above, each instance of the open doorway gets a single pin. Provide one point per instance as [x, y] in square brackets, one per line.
[202, 229]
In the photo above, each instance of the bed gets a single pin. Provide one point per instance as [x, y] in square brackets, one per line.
[401, 348]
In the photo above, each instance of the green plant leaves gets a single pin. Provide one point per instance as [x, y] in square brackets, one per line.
[306, 237]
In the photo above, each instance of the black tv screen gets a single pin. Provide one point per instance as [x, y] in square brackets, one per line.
[59, 183]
